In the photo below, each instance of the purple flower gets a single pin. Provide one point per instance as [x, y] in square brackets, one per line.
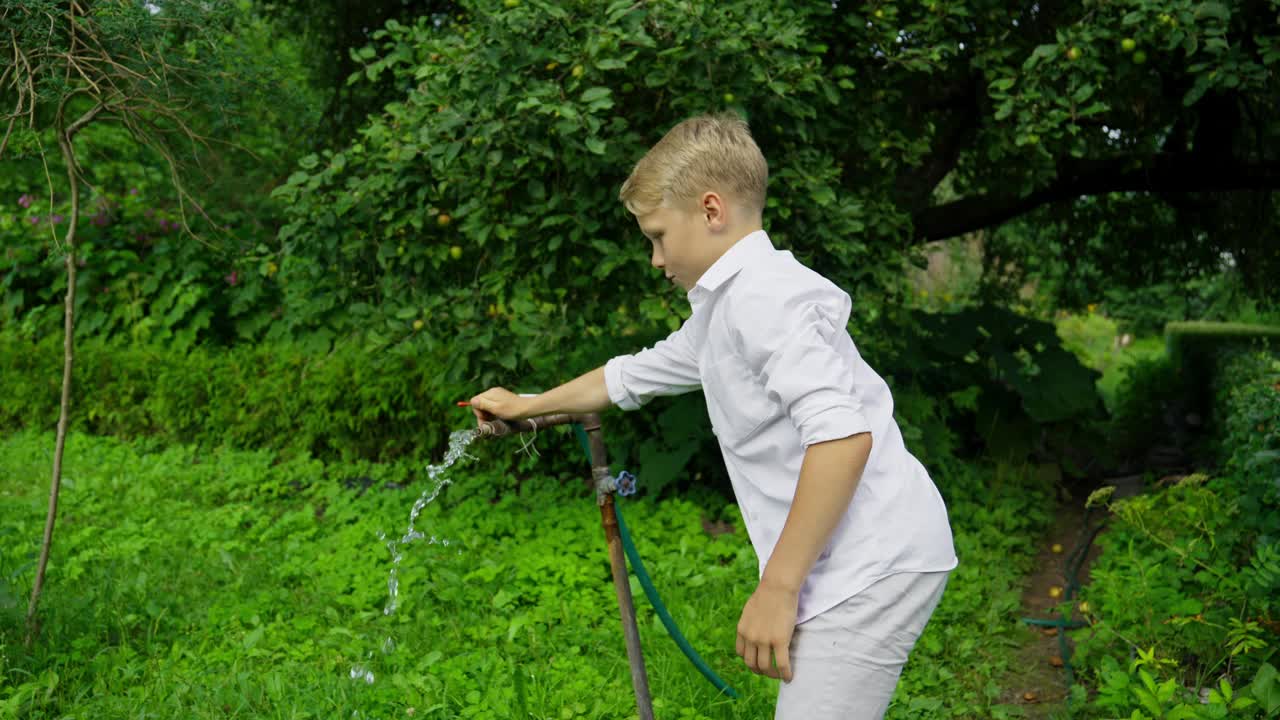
[33, 220]
[25, 200]
[133, 191]
[233, 278]
[57, 219]
[100, 219]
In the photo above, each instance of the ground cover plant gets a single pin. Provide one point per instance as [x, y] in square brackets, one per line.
[1183, 620]
[195, 583]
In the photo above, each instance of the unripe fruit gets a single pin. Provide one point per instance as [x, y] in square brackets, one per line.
[511, 3]
[577, 71]
[728, 98]
[1139, 57]
[417, 324]
[879, 14]
[1128, 44]
[443, 220]
[1073, 54]
[1057, 548]
[1084, 606]
[455, 252]
[1055, 592]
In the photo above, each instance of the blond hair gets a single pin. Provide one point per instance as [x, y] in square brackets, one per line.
[707, 152]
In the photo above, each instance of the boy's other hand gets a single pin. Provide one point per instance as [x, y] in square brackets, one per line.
[765, 630]
[500, 403]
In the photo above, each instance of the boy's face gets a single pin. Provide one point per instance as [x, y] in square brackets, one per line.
[687, 242]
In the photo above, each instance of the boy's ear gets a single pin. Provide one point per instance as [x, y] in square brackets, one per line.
[713, 210]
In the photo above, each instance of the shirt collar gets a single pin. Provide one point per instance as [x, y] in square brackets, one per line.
[739, 255]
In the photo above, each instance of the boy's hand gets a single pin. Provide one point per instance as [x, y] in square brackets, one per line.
[500, 403]
[764, 632]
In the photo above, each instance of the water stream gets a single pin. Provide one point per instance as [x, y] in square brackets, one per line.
[437, 479]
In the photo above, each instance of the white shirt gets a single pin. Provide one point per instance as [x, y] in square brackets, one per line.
[767, 343]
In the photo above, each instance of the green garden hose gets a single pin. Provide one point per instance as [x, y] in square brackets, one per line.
[637, 566]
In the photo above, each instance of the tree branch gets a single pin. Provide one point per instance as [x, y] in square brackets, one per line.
[83, 120]
[1164, 173]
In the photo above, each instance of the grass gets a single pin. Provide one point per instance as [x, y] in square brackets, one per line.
[202, 584]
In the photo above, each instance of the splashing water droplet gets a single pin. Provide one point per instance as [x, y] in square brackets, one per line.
[458, 442]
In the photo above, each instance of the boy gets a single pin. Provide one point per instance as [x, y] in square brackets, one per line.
[852, 536]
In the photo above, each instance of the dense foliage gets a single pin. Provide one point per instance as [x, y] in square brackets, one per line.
[1189, 577]
[174, 184]
[242, 584]
[982, 379]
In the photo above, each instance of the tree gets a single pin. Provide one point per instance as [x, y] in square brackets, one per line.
[333, 31]
[1025, 108]
[146, 66]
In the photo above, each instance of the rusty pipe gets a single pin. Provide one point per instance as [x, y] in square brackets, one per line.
[501, 428]
[601, 483]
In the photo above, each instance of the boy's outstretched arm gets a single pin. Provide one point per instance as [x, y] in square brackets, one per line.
[584, 394]
[829, 476]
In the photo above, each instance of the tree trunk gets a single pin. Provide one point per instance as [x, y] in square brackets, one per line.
[68, 356]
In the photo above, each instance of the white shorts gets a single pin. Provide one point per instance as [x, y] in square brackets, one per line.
[845, 662]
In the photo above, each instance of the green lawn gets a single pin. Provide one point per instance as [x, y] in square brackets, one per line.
[202, 584]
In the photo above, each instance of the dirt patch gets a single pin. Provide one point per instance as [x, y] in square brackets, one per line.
[715, 528]
[1038, 683]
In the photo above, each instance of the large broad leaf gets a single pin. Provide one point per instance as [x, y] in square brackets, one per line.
[1266, 689]
[1020, 353]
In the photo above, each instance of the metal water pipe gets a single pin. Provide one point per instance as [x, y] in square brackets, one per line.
[602, 482]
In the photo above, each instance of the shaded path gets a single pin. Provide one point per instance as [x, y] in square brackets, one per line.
[1038, 685]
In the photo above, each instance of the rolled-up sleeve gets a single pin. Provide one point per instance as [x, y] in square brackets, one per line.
[795, 352]
[668, 368]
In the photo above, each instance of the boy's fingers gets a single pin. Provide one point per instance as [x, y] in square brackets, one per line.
[478, 406]
[753, 658]
[741, 647]
[782, 655]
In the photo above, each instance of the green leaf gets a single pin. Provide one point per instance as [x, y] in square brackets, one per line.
[1266, 689]
[1083, 93]
[595, 145]
[593, 94]
[253, 637]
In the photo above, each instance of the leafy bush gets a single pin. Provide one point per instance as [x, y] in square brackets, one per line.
[142, 276]
[1149, 395]
[486, 201]
[346, 404]
[996, 377]
[1189, 575]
